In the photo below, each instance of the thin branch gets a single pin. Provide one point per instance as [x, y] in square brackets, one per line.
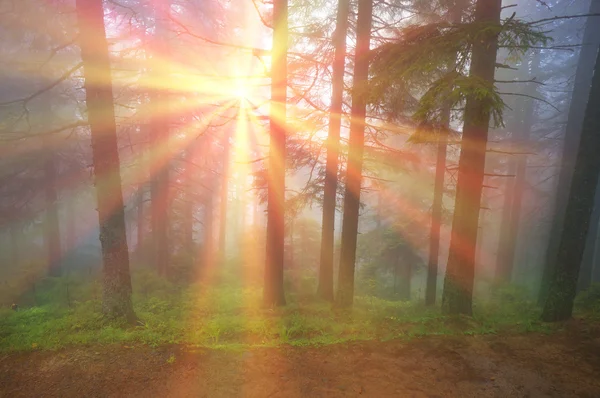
[49, 87]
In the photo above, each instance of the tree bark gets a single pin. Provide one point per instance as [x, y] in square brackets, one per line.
[581, 90]
[454, 16]
[325, 287]
[159, 137]
[345, 293]
[51, 226]
[273, 294]
[223, 204]
[559, 305]
[458, 283]
[505, 269]
[116, 300]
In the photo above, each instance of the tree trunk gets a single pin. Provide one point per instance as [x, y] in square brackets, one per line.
[159, 137]
[454, 16]
[116, 300]
[325, 287]
[436, 222]
[51, 226]
[224, 196]
[273, 294]
[559, 305]
[405, 279]
[458, 283]
[188, 204]
[345, 294]
[509, 193]
[581, 87]
[140, 221]
[505, 271]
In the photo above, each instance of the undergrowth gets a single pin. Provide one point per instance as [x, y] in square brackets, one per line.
[230, 316]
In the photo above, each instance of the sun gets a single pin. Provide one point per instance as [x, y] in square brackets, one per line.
[241, 90]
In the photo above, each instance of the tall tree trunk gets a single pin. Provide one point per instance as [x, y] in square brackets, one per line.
[273, 294]
[188, 203]
[458, 283]
[405, 279]
[356, 143]
[140, 220]
[159, 137]
[505, 268]
[325, 287]
[51, 226]
[559, 305]
[509, 193]
[581, 87]
[454, 16]
[116, 300]
[224, 199]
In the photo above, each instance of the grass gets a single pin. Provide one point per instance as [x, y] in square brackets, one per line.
[230, 317]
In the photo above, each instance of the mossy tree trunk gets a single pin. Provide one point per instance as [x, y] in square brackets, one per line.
[116, 299]
[273, 294]
[325, 287]
[356, 143]
[563, 284]
[458, 283]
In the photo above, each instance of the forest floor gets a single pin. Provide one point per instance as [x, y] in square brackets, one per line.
[560, 364]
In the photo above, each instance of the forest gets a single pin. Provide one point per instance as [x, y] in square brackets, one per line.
[289, 198]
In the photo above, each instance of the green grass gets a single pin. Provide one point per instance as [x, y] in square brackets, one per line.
[230, 317]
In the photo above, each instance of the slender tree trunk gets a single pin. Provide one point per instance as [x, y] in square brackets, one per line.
[454, 16]
[273, 294]
[505, 269]
[405, 279]
[559, 305]
[188, 204]
[116, 300]
[581, 87]
[509, 193]
[345, 294]
[140, 220]
[436, 222]
[223, 204]
[159, 137]
[51, 226]
[325, 287]
[458, 283]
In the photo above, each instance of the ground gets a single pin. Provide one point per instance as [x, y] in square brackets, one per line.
[563, 364]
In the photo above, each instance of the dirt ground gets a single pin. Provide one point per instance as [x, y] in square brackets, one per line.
[566, 364]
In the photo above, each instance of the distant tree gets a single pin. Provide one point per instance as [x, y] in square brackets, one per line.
[116, 300]
[356, 143]
[563, 283]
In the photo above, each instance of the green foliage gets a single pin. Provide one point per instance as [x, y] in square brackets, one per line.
[433, 57]
[230, 316]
